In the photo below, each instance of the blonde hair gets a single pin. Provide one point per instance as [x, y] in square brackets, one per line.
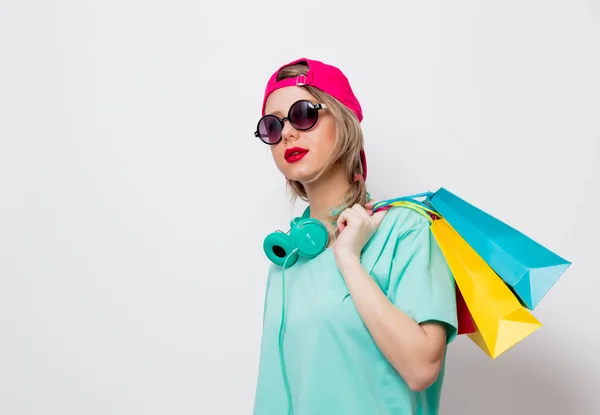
[346, 150]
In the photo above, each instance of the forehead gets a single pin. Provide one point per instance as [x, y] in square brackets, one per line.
[280, 100]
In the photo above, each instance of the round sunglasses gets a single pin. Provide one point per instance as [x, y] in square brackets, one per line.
[302, 115]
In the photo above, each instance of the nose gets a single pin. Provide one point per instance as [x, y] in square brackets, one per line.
[289, 132]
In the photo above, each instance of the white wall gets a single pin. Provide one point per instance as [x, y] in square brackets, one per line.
[134, 197]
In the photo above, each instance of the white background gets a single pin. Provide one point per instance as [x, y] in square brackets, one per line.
[134, 198]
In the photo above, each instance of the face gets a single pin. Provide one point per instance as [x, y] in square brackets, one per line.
[316, 144]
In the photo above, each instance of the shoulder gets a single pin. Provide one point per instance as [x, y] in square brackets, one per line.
[400, 221]
[399, 225]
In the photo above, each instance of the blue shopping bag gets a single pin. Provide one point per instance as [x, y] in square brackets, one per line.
[527, 267]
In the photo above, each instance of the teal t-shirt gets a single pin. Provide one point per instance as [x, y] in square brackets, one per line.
[332, 364]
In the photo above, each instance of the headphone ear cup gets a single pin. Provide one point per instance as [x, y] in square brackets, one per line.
[310, 236]
[278, 246]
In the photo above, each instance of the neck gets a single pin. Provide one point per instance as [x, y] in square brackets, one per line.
[326, 194]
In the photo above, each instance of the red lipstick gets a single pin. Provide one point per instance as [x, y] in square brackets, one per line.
[294, 154]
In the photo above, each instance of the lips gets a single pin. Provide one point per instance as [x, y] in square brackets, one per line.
[294, 154]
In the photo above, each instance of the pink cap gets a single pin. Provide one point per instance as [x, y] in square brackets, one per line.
[328, 79]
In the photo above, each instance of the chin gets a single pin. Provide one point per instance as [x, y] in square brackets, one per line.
[300, 175]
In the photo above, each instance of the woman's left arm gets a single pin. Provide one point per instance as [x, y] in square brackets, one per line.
[415, 350]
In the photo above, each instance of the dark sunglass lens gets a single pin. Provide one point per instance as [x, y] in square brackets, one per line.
[303, 115]
[269, 129]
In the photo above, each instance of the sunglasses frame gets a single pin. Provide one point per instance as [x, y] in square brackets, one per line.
[317, 107]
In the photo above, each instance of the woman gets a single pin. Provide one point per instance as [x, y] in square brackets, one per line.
[367, 319]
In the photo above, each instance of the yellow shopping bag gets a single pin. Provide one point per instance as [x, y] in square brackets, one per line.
[499, 318]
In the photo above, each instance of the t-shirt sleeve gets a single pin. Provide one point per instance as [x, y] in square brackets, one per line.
[421, 282]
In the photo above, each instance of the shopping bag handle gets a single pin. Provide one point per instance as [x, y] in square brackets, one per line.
[410, 202]
[411, 198]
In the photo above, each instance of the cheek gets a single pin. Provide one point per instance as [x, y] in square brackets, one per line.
[327, 135]
[324, 147]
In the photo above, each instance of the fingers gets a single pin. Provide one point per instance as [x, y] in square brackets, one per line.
[369, 205]
[367, 212]
[347, 217]
[342, 221]
[359, 209]
[358, 213]
[362, 212]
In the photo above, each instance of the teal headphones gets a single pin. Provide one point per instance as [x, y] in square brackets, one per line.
[307, 238]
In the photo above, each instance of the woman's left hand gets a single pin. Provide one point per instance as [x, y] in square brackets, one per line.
[357, 225]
